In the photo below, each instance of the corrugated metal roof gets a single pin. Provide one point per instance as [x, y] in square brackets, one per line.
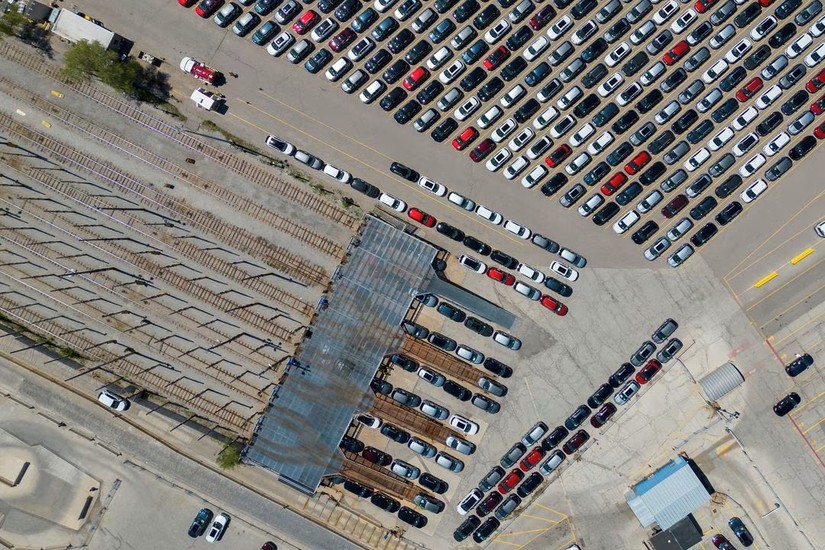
[75, 28]
[722, 381]
[666, 499]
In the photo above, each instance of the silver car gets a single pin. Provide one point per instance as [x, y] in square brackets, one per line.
[434, 410]
[449, 462]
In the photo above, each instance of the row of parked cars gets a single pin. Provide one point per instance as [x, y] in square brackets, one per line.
[796, 367]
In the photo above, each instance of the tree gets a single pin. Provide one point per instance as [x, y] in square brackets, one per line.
[229, 457]
[14, 23]
[11, 21]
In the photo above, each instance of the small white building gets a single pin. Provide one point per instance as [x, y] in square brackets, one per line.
[74, 28]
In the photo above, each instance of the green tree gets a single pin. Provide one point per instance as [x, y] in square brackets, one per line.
[11, 21]
[229, 457]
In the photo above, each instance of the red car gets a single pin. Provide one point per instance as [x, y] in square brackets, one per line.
[421, 217]
[676, 53]
[554, 305]
[819, 131]
[208, 7]
[542, 17]
[482, 150]
[500, 276]
[465, 138]
[510, 481]
[765, 3]
[306, 22]
[342, 40]
[416, 78]
[721, 542]
[750, 89]
[638, 162]
[532, 459]
[648, 371]
[377, 457]
[575, 443]
[489, 504]
[818, 106]
[816, 83]
[186, 3]
[603, 415]
[496, 58]
[702, 5]
[675, 206]
[556, 157]
[614, 183]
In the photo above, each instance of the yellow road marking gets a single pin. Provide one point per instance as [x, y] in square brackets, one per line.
[812, 400]
[765, 279]
[790, 307]
[562, 514]
[814, 425]
[499, 540]
[798, 258]
[725, 448]
[783, 285]
[800, 329]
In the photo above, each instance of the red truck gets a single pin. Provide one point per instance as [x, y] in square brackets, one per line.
[198, 70]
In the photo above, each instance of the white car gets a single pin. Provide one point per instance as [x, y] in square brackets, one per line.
[522, 139]
[281, 145]
[720, 139]
[453, 71]
[469, 502]
[472, 264]
[396, 204]
[738, 50]
[489, 117]
[818, 28]
[745, 144]
[564, 125]
[652, 74]
[539, 147]
[650, 201]
[337, 174]
[684, 21]
[113, 400]
[561, 26]
[536, 48]
[506, 340]
[776, 143]
[762, 28]
[609, 86]
[433, 187]
[527, 291]
[584, 32]
[439, 58]
[567, 272]
[518, 230]
[516, 167]
[504, 129]
[666, 12]
[512, 96]
[769, 97]
[578, 163]
[490, 215]
[463, 425]
[338, 69]
[600, 143]
[587, 207]
[498, 159]
[462, 202]
[626, 222]
[698, 159]
[324, 29]
[799, 45]
[745, 117]
[534, 177]
[467, 108]
[582, 134]
[497, 32]
[569, 98]
[372, 91]
[545, 118]
[754, 190]
[533, 274]
[617, 54]
[815, 57]
[716, 70]
[361, 48]
[218, 527]
[629, 93]
[752, 166]
[383, 5]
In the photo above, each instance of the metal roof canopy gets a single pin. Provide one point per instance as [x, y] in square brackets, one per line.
[298, 435]
[75, 28]
[721, 381]
[667, 496]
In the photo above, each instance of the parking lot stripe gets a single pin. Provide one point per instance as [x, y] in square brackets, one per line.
[798, 258]
[790, 307]
[562, 514]
[765, 279]
[777, 289]
[814, 425]
[802, 327]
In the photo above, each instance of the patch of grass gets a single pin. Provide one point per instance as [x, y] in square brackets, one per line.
[320, 189]
[298, 175]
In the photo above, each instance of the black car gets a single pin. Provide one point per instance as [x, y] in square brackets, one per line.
[366, 188]
[477, 246]
[347, 9]
[701, 32]
[740, 530]
[685, 121]
[725, 110]
[379, 385]
[385, 503]
[705, 234]
[473, 79]
[434, 484]
[702, 209]
[645, 232]
[733, 79]
[326, 6]
[560, 288]
[529, 485]
[378, 61]
[357, 489]
[581, 9]
[747, 15]
[702, 130]
[442, 31]
[478, 326]
[579, 415]
[793, 103]
[513, 68]
[396, 71]
[450, 232]
[466, 529]
[586, 105]
[673, 80]
[635, 64]
[442, 6]
[556, 182]
[498, 368]
[490, 89]
[606, 213]
[457, 390]
[758, 56]
[623, 373]
[395, 433]
[538, 74]
[769, 124]
[504, 259]
[486, 17]
[728, 186]
[601, 395]
[728, 213]
[787, 404]
[400, 41]
[661, 141]
[466, 10]
[527, 110]
[799, 365]
[418, 52]
[625, 122]
[629, 193]
[556, 436]
[650, 100]
[605, 114]
[617, 30]
[444, 130]
[351, 444]
[475, 52]
[785, 33]
[519, 38]
[409, 110]
[796, 74]
[384, 29]
[620, 153]
[408, 515]
[802, 148]
[318, 61]
[202, 520]
[404, 362]
[429, 92]
[787, 8]
[594, 50]
[487, 528]
[594, 75]
[364, 20]
[656, 170]
[597, 173]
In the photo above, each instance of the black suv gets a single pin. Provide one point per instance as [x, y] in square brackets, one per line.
[594, 50]
[704, 235]
[771, 122]
[466, 10]
[513, 68]
[400, 41]
[490, 89]
[635, 64]
[728, 213]
[418, 52]
[673, 80]
[787, 8]
[429, 92]
[685, 121]
[586, 105]
[725, 110]
[640, 236]
[527, 110]
[728, 186]
[702, 209]
[473, 79]
[747, 15]
[444, 130]
[661, 141]
[700, 132]
[625, 122]
[594, 75]
[605, 114]
[396, 71]
[617, 156]
[519, 38]
[736, 76]
[409, 110]
[782, 35]
[486, 17]
[759, 55]
[649, 101]
[475, 52]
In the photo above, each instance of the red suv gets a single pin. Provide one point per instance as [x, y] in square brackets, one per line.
[603, 415]
[208, 7]
[498, 275]
[416, 77]
[648, 371]
[638, 162]
[482, 150]
[510, 481]
[676, 53]
[532, 459]
[556, 157]
[374, 455]
[496, 58]
[816, 83]
[465, 138]
[749, 89]
[818, 106]
[421, 217]
[575, 443]
[489, 504]
[342, 40]
[702, 5]
[614, 183]
[306, 22]
[554, 305]
[674, 206]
